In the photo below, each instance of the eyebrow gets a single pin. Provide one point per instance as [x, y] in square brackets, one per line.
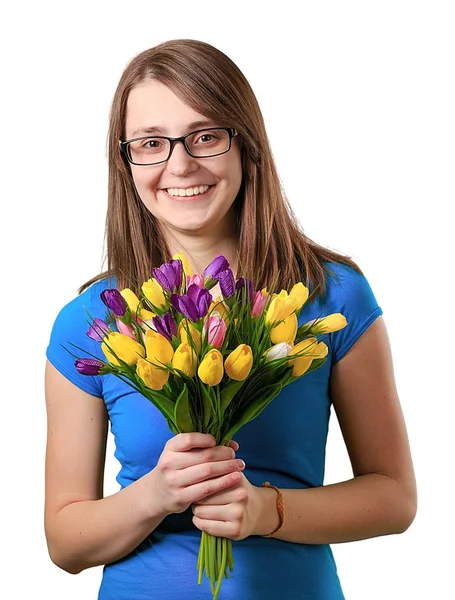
[157, 129]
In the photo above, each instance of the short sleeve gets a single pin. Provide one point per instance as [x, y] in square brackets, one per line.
[68, 338]
[350, 294]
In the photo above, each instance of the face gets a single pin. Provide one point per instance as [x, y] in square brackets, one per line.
[208, 211]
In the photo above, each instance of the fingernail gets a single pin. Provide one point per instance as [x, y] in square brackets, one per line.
[240, 463]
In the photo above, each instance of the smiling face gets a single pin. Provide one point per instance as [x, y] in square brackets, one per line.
[190, 195]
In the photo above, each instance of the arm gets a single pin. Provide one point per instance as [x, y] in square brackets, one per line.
[381, 499]
[83, 529]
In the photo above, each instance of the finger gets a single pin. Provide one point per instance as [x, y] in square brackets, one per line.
[230, 512]
[234, 445]
[229, 496]
[227, 529]
[183, 460]
[186, 441]
[195, 493]
[207, 470]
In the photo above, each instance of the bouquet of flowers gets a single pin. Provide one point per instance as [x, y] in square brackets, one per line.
[209, 365]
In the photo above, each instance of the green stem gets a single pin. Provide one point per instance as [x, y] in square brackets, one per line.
[224, 543]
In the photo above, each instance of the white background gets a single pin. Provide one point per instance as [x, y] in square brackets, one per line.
[358, 99]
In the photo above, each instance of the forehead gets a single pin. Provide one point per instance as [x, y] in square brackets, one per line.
[153, 105]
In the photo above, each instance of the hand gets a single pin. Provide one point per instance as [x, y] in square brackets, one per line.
[192, 467]
[234, 513]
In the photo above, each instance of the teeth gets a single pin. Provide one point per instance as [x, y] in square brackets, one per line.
[200, 189]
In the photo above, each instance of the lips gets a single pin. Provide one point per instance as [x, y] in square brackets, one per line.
[177, 193]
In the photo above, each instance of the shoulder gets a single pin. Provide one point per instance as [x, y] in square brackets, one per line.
[349, 293]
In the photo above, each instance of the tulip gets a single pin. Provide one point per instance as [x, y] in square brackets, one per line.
[154, 294]
[165, 325]
[185, 328]
[329, 324]
[89, 366]
[185, 263]
[114, 301]
[125, 329]
[194, 304]
[285, 331]
[169, 275]
[299, 294]
[195, 280]
[215, 330]
[158, 349]
[211, 369]
[98, 330]
[247, 285]
[239, 363]
[302, 363]
[133, 304]
[280, 308]
[153, 377]
[260, 299]
[218, 264]
[277, 351]
[321, 350]
[185, 359]
[217, 307]
[227, 283]
[126, 349]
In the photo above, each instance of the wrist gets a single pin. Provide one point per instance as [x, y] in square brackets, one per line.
[268, 519]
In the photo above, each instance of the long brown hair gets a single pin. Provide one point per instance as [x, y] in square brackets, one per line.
[272, 248]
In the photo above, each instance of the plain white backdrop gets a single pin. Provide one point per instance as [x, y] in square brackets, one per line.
[358, 98]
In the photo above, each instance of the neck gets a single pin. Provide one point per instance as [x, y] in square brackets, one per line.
[202, 249]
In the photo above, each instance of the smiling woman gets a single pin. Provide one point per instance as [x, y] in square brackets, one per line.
[191, 171]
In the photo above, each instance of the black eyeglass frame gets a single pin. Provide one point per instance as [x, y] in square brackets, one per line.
[124, 145]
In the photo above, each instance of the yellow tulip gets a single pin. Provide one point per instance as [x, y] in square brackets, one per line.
[185, 327]
[158, 349]
[280, 308]
[285, 331]
[218, 306]
[133, 303]
[239, 363]
[328, 324]
[153, 377]
[185, 263]
[154, 293]
[321, 350]
[124, 347]
[299, 295]
[185, 359]
[211, 369]
[302, 363]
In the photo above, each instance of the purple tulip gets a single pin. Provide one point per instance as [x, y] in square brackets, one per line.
[114, 300]
[242, 283]
[201, 297]
[185, 306]
[169, 275]
[227, 283]
[165, 325]
[194, 304]
[89, 366]
[98, 330]
[218, 264]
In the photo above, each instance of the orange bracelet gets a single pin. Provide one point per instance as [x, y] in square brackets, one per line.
[279, 507]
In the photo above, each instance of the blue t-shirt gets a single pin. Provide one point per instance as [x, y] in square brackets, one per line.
[284, 445]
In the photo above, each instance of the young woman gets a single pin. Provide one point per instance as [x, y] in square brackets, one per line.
[190, 170]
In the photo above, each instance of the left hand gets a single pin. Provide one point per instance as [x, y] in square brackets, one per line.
[231, 513]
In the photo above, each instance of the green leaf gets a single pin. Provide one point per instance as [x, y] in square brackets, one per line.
[228, 393]
[182, 412]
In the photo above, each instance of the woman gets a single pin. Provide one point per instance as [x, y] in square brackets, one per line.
[190, 170]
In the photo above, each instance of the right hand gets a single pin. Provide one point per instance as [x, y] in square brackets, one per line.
[192, 467]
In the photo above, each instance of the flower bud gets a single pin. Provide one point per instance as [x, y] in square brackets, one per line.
[124, 347]
[154, 294]
[306, 349]
[277, 351]
[215, 330]
[239, 363]
[89, 366]
[153, 377]
[186, 328]
[211, 369]
[185, 359]
[285, 331]
[159, 350]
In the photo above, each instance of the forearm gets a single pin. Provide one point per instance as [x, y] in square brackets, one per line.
[364, 507]
[87, 533]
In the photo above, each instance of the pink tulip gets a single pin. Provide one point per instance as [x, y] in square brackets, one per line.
[215, 329]
[196, 279]
[259, 302]
[125, 329]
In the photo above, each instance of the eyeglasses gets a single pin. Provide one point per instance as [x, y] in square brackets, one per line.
[203, 143]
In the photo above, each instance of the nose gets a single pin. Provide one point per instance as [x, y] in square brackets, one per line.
[180, 163]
